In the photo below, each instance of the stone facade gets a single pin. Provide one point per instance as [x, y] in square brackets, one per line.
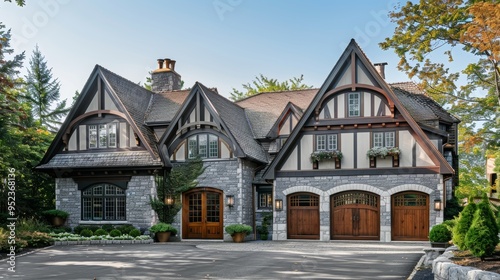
[139, 212]
[383, 185]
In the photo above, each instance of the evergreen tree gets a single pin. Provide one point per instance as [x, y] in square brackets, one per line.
[463, 224]
[482, 237]
[42, 91]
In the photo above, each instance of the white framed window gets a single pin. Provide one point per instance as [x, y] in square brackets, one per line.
[354, 104]
[326, 142]
[384, 139]
[320, 142]
[103, 136]
[203, 145]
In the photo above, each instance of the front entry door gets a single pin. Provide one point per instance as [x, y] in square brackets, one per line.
[355, 215]
[202, 214]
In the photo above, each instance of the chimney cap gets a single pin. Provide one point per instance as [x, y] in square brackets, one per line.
[380, 63]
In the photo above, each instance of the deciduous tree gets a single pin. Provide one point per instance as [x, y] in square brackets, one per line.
[265, 84]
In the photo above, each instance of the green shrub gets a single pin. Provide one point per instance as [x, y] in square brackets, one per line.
[163, 227]
[450, 224]
[31, 224]
[36, 239]
[60, 229]
[100, 232]
[135, 232]
[463, 224]
[115, 233]
[236, 228]
[86, 232]
[125, 229]
[482, 237]
[78, 229]
[4, 242]
[108, 227]
[55, 213]
[93, 228]
[440, 233]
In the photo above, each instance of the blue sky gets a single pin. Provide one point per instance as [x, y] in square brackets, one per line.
[220, 43]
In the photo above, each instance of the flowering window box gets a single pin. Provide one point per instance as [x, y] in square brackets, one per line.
[383, 152]
[319, 156]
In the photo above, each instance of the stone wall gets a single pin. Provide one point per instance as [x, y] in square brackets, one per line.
[139, 212]
[383, 185]
[444, 269]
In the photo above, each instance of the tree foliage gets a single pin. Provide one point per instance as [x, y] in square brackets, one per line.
[265, 84]
[179, 179]
[463, 224]
[482, 236]
[428, 37]
[42, 92]
[18, 2]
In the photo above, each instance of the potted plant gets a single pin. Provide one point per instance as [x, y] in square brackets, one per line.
[163, 231]
[56, 217]
[440, 236]
[238, 231]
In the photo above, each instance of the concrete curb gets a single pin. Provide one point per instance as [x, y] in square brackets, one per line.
[416, 268]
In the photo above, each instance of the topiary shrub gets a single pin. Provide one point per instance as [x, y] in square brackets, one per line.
[107, 227]
[135, 232]
[450, 224]
[237, 228]
[125, 229]
[86, 232]
[440, 233]
[115, 233]
[482, 237]
[463, 224]
[100, 232]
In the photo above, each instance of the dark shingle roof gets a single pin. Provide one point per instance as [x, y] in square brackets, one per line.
[103, 159]
[420, 106]
[135, 99]
[164, 106]
[263, 109]
[236, 120]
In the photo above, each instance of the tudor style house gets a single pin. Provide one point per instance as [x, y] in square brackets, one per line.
[355, 159]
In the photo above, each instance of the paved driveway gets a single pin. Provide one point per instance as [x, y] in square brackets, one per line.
[217, 260]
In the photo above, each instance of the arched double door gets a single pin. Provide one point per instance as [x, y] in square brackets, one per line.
[202, 214]
[355, 215]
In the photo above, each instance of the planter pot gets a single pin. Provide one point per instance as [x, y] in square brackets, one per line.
[57, 221]
[440, 244]
[163, 236]
[238, 237]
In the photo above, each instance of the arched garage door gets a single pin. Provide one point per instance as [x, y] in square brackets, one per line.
[303, 216]
[410, 216]
[355, 215]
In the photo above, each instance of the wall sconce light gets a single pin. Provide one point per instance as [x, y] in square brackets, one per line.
[437, 204]
[169, 199]
[230, 200]
[278, 203]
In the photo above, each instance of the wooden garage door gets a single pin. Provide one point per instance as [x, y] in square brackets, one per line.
[355, 215]
[202, 214]
[410, 216]
[303, 216]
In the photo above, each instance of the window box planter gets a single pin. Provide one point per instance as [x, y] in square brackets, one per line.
[318, 156]
[383, 152]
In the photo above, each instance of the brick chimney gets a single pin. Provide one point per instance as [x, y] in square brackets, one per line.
[380, 67]
[165, 78]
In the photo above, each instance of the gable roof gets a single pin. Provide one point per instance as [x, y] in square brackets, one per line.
[164, 105]
[230, 116]
[264, 109]
[131, 99]
[420, 105]
[350, 54]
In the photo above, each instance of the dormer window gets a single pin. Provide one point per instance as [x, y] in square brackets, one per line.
[102, 136]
